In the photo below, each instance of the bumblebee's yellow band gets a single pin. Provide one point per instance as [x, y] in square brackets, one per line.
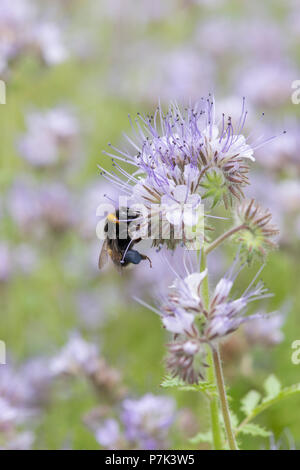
[112, 218]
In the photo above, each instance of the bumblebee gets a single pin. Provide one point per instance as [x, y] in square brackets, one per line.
[118, 244]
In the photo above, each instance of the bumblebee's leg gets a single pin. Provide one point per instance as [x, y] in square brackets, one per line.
[144, 257]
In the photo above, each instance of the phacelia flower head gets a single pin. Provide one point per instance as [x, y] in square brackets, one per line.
[184, 157]
[194, 324]
[224, 314]
[186, 360]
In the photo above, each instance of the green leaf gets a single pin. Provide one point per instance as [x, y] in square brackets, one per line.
[250, 401]
[175, 382]
[284, 393]
[202, 437]
[234, 419]
[269, 401]
[272, 387]
[255, 430]
[171, 382]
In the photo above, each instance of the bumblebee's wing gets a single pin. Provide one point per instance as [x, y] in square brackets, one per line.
[116, 255]
[103, 257]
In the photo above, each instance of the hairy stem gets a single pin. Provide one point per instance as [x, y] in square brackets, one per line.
[215, 374]
[223, 399]
[214, 406]
[223, 237]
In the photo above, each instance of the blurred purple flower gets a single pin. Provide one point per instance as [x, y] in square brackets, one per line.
[47, 39]
[147, 420]
[20, 441]
[9, 415]
[23, 205]
[26, 387]
[51, 137]
[170, 74]
[263, 37]
[16, 259]
[36, 209]
[58, 209]
[221, 34]
[38, 376]
[75, 357]
[267, 83]
[22, 30]
[108, 434]
[15, 21]
[289, 195]
[23, 391]
[265, 331]
[282, 153]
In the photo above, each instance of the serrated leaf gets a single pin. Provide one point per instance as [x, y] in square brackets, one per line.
[267, 402]
[175, 382]
[200, 387]
[171, 382]
[272, 387]
[255, 430]
[272, 400]
[250, 401]
[202, 437]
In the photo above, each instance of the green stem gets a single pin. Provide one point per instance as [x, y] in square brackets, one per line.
[223, 237]
[215, 375]
[214, 406]
[223, 399]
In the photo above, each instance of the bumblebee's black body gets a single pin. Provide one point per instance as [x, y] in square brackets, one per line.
[118, 243]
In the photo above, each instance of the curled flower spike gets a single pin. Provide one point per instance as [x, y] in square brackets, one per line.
[180, 158]
[257, 237]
